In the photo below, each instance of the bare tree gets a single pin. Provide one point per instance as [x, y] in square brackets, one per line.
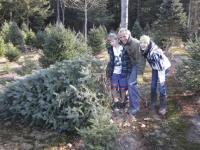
[84, 5]
[60, 10]
[62, 5]
[124, 14]
[138, 10]
[193, 24]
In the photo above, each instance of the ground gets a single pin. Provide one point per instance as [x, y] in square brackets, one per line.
[180, 129]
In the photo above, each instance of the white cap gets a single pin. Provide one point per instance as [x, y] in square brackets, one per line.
[145, 39]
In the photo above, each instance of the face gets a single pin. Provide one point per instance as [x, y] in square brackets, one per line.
[113, 42]
[123, 37]
[143, 46]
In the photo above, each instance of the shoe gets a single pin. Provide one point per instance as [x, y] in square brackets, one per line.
[117, 105]
[125, 104]
[162, 111]
[116, 100]
[154, 115]
[133, 111]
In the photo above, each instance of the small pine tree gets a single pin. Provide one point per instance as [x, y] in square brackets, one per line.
[29, 35]
[61, 44]
[5, 29]
[136, 30]
[2, 46]
[147, 29]
[12, 33]
[12, 53]
[188, 73]
[172, 18]
[102, 133]
[40, 39]
[63, 97]
[97, 38]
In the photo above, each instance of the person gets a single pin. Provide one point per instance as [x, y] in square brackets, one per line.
[137, 63]
[118, 71]
[160, 65]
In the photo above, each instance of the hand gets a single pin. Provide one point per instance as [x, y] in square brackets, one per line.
[140, 79]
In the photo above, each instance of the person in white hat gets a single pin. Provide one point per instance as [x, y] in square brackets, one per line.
[160, 65]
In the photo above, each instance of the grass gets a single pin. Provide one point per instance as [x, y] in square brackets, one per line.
[176, 51]
[6, 69]
[178, 131]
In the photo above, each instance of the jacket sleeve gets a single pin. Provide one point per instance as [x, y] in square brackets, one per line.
[157, 57]
[109, 68]
[141, 61]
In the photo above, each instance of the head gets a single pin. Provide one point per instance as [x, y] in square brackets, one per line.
[144, 42]
[113, 39]
[124, 35]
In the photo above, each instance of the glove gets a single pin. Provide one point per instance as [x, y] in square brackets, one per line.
[140, 79]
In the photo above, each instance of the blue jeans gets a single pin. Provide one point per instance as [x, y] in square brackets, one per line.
[154, 81]
[132, 89]
[119, 82]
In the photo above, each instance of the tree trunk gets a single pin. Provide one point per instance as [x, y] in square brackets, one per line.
[124, 14]
[63, 11]
[58, 12]
[11, 16]
[138, 10]
[85, 10]
[193, 18]
[189, 17]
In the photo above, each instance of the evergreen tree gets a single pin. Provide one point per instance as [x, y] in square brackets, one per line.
[33, 12]
[188, 73]
[148, 11]
[172, 18]
[136, 30]
[100, 16]
[114, 8]
[97, 38]
[12, 33]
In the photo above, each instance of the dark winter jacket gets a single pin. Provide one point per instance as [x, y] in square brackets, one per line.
[125, 63]
[136, 58]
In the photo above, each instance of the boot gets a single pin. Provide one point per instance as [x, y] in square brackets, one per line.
[163, 105]
[153, 102]
[124, 99]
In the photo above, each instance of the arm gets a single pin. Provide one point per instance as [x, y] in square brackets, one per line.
[157, 58]
[141, 61]
[110, 65]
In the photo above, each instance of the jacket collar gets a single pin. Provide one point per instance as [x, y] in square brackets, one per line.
[128, 41]
[148, 48]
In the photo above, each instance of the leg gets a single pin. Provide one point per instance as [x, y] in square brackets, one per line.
[132, 90]
[123, 87]
[163, 95]
[115, 87]
[163, 102]
[154, 80]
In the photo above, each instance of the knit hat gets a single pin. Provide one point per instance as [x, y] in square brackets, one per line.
[145, 39]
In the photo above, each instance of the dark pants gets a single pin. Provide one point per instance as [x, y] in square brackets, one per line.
[154, 81]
